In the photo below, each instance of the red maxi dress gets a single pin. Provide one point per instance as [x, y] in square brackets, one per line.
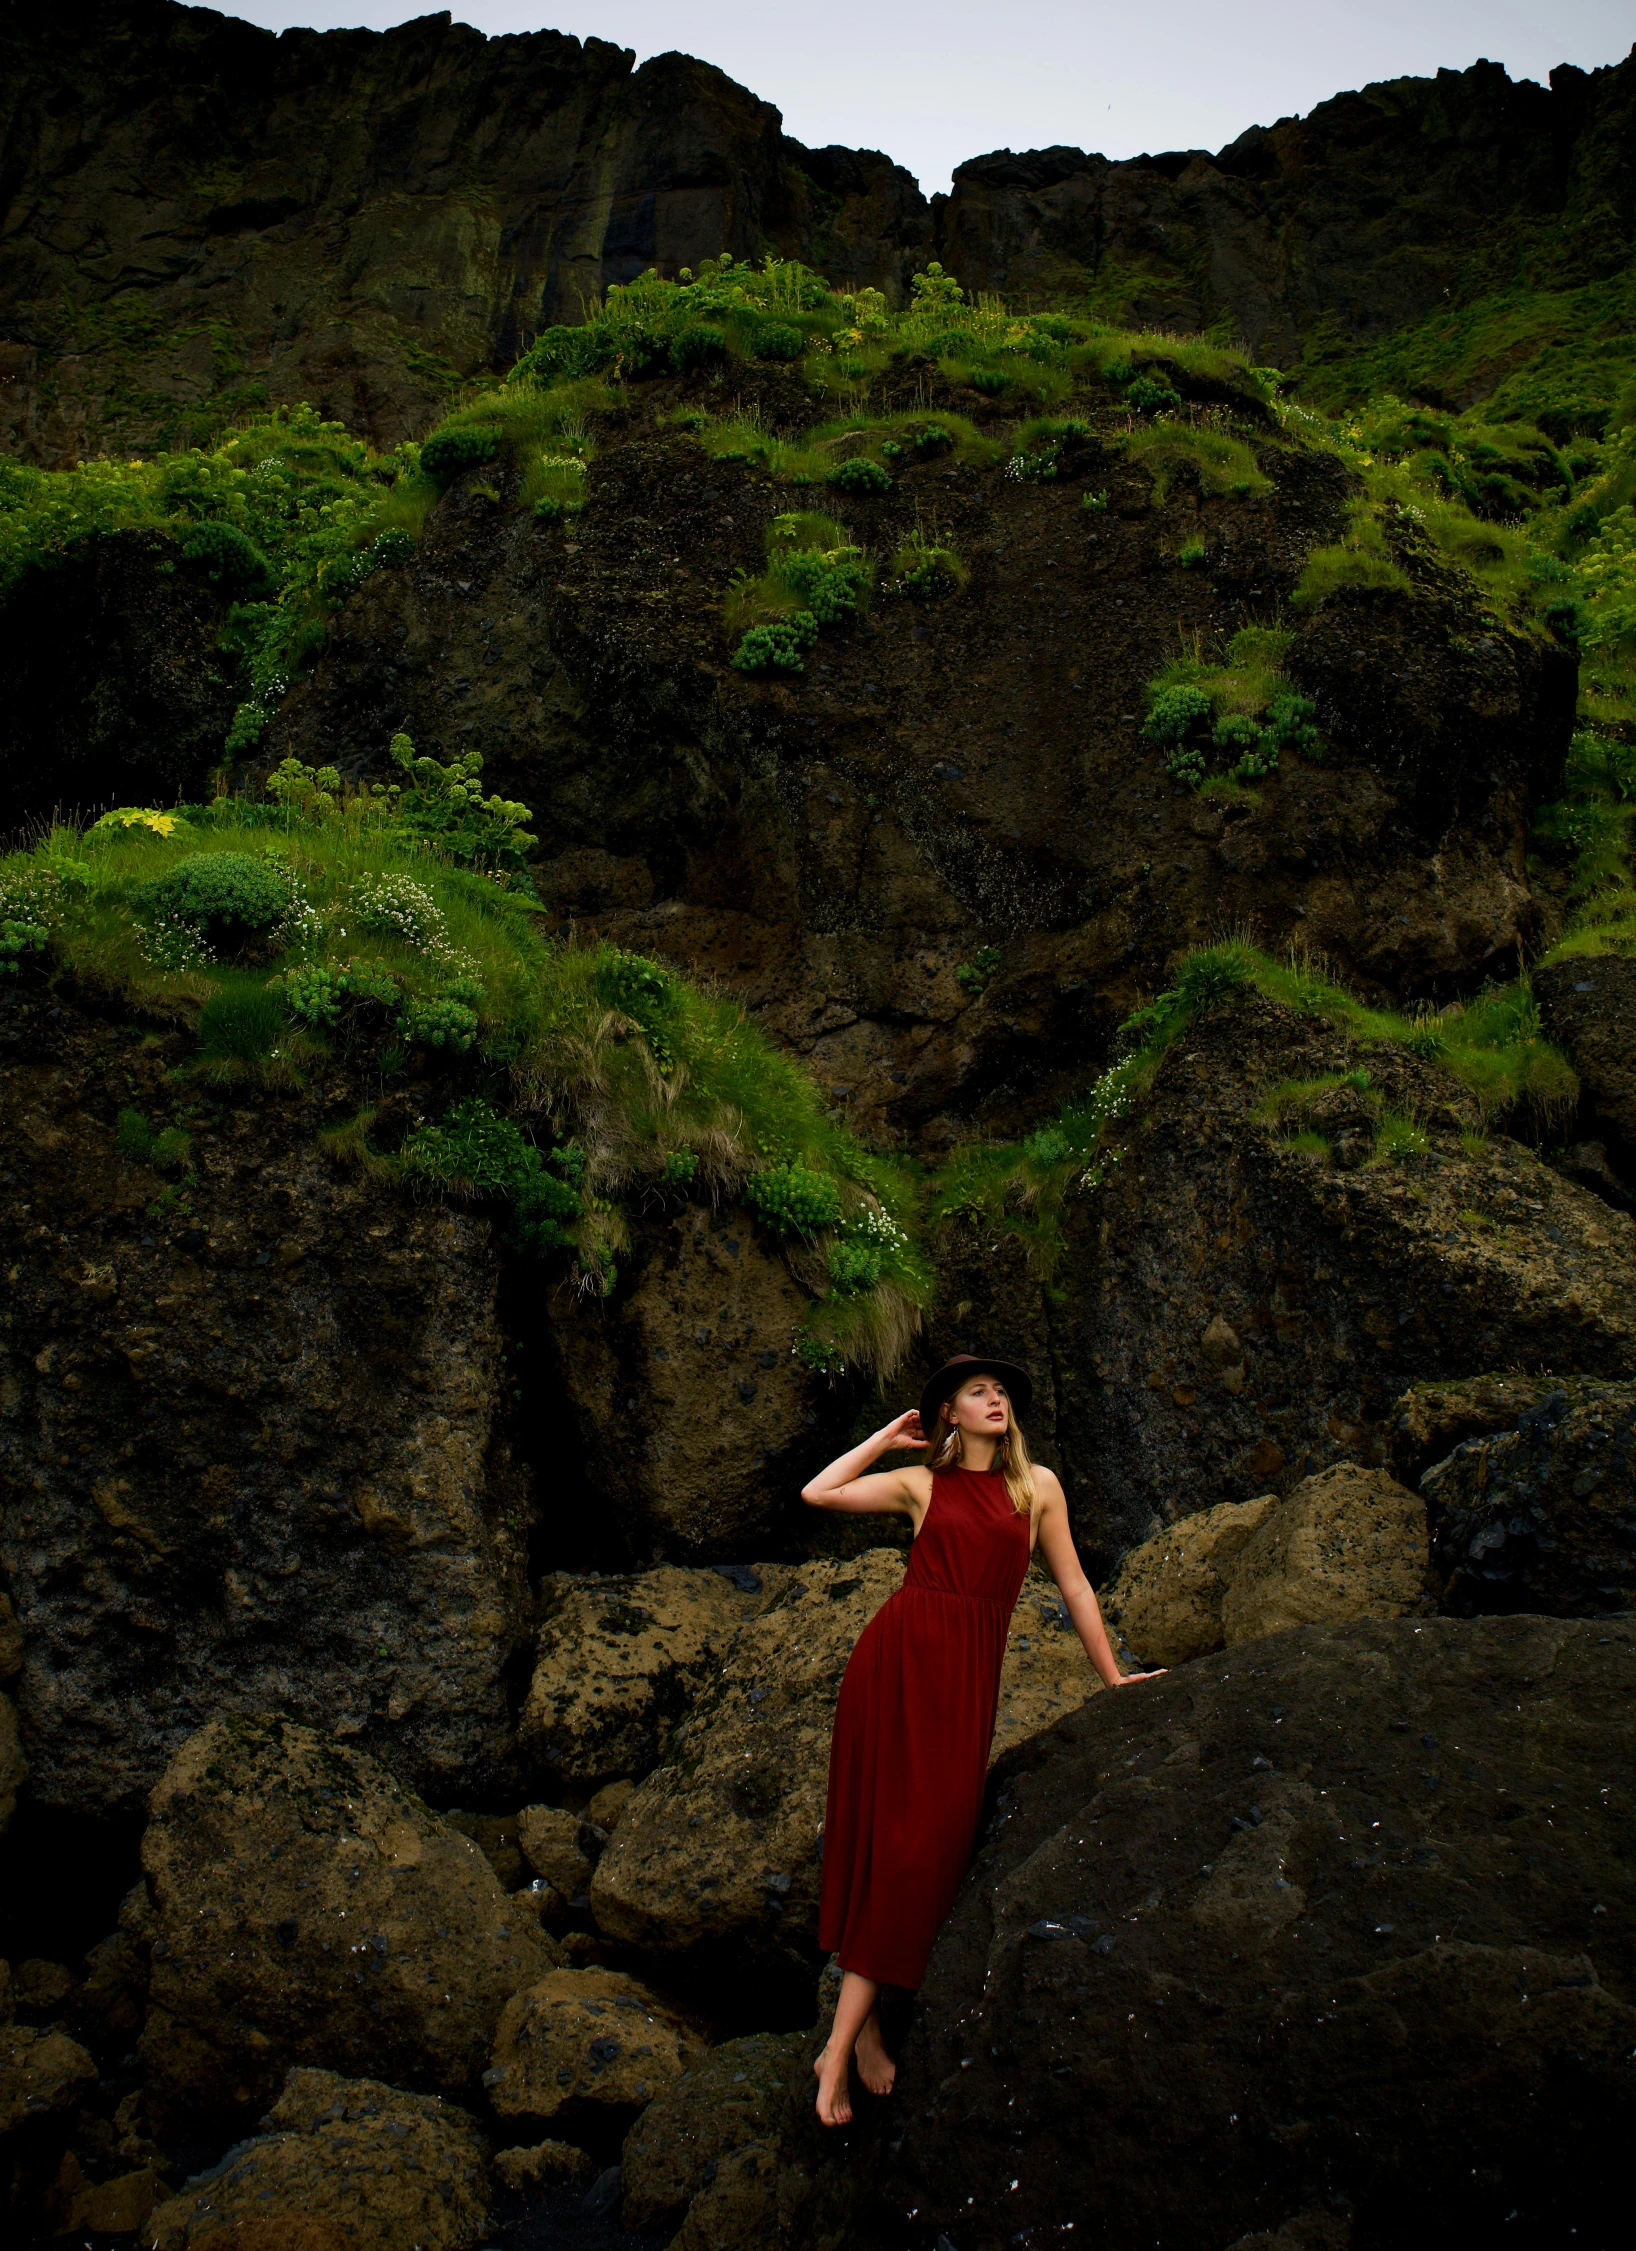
[913, 1726]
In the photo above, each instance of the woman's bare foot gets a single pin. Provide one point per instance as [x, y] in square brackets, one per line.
[875, 2067]
[834, 2095]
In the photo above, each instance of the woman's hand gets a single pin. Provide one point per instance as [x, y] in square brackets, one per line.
[1126, 1680]
[905, 1431]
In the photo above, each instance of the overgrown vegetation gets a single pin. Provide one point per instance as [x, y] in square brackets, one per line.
[567, 1083]
[1237, 713]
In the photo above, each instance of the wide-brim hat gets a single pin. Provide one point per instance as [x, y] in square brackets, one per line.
[953, 1373]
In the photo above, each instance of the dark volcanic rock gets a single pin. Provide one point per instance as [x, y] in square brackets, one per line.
[1237, 1312]
[305, 1908]
[251, 1451]
[1239, 1933]
[363, 218]
[1542, 1517]
[1587, 1006]
[1431, 1419]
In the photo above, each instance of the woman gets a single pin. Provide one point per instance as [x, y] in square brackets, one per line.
[915, 1718]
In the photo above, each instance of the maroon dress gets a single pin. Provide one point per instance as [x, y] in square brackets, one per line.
[913, 1726]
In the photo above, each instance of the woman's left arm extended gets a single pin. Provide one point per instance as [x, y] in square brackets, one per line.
[1056, 1544]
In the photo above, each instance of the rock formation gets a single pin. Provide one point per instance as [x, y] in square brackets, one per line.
[305, 1908]
[1219, 1928]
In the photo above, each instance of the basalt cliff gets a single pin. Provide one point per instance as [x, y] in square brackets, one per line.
[648, 782]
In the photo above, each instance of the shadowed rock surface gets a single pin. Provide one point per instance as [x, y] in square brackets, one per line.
[1223, 1920]
[307, 1909]
[380, 2168]
[1167, 1594]
[1542, 1517]
[586, 2043]
[1587, 1004]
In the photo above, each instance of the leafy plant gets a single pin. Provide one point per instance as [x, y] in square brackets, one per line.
[231, 558]
[791, 1199]
[1148, 395]
[777, 648]
[1173, 711]
[926, 568]
[225, 899]
[859, 475]
[448, 454]
[973, 976]
[477, 1153]
[445, 805]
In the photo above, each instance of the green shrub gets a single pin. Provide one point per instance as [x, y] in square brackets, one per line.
[224, 898]
[681, 1168]
[932, 441]
[777, 648]
[993, 382]
[442, 1023]
[778, 341]
[1289, 722]
[860, 474]
[475, 1152]
[1186, 762]
[854, 1267]
[699, 345]
[1235, 733]
[167, 1151]
[231, 559]
[448, 454]
[1148, 395]
[1173, 712]
[831, 585]
[446, 807]
[1213, 975]
[973, 976]
[314, 993]
[1094, 503]
[792, 1199]
[1037, 465]
[18, 938]
[1193, 554]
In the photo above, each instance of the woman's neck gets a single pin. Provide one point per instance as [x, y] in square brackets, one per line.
[977, 1453]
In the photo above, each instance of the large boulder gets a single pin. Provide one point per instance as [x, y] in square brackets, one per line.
[1348, 1543]
[1235, 1935]
[1431, 1419]
[586, 2041]
[1542, 1517]
[1167, 1594]
[363, 2165]
[716, 1856]
[733, 2098]
[251, 1455]
[1249, 1294]
[306, 1908]
[620, 1661]
[693, 1412]
[42, 2073]
[1587, 1005]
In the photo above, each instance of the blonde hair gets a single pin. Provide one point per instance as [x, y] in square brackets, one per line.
[1010, 1456]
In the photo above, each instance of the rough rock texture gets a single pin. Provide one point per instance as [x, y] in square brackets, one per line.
[1431, 1419]
[1348, 1543]
[738, 2208]
[13, 1765]
[362, 219]
[1587, 1006]
[1361, 214]
[583, 2041]
[620, 1661]
[116, 691]
[1167, 1595]
[250, 1454]
[1223, 1916]
[560, 1846]
[381, 2168]
[1542, 1517]
[307, 1909]
[546, 2165]
[715, 1858]
[40, 2072]
[735, 2096]
[835, 846]
[693, 1413]
[1238, 1313]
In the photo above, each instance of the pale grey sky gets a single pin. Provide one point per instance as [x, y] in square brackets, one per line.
[930, 86]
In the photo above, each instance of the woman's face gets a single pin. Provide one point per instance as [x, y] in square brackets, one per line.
[981, 1408]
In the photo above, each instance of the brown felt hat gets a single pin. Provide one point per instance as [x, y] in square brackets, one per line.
[961, 1369]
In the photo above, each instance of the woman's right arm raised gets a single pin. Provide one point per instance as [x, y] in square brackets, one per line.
[892, 1492]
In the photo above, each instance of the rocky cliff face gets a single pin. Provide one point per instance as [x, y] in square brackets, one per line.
[200, 214]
